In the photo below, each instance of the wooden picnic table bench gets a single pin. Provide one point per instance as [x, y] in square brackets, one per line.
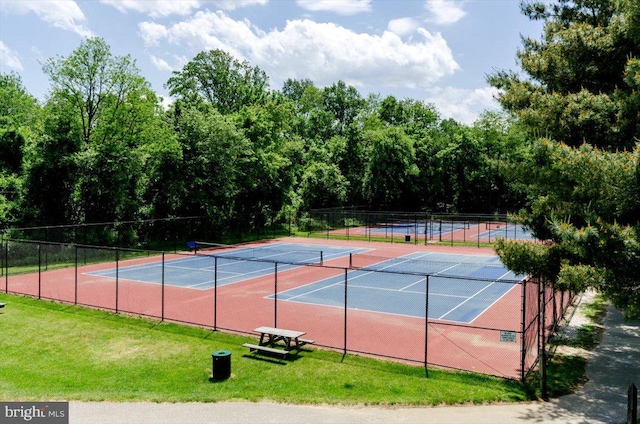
[269, 336]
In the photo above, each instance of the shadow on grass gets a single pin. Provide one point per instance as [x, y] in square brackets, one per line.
[565, 374]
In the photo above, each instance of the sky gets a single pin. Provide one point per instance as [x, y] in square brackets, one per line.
[436, 51]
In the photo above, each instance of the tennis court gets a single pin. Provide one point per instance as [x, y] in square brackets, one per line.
[431, 228]
[460, 287]
[394, 286]
[508, 231]
[232, 264]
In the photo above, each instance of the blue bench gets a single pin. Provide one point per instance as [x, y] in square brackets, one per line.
[192, 245]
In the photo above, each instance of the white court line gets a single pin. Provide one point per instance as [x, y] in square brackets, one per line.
[364, 273]
[406, 291]
[411, 285]
[312, 291]
[495, 301]
[471, 297]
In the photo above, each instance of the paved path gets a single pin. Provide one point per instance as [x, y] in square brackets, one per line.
[603, 399]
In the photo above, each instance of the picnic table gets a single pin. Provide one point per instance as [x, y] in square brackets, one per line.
[269, 336]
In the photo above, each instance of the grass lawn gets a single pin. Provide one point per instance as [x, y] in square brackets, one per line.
[53, 351]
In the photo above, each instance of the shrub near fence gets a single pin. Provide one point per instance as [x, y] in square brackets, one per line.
[504, 341]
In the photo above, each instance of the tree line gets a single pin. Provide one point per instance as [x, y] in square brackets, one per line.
[101, 148]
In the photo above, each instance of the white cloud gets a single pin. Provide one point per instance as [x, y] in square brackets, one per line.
[65, 15]
[341, 7]
[155, 8]
[160, 64]
[324, 53]
[236, 4]
[461, 104]
[9, 58]
[403, 26]
[166, 102]
[160, 8]
[445, 12]
[151, 32]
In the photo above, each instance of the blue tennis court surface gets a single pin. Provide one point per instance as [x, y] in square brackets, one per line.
[197, 271]
[452, 299]
[508, 231]
[409, 228]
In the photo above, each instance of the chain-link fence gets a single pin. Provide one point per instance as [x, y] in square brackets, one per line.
[165, 234]
[353, 305]
[417, 228]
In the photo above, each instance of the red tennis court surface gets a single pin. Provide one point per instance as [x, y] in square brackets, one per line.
[502, 340]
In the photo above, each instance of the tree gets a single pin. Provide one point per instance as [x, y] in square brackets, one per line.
[323, 186]
[575, 89]
[344, 102]
[215, 155]
[585, 204]
[215, 77]
[52, 171]
[391, 170]
[19, 118]
[268, 181]
[415, 117]
[583, 199]
[115, 113]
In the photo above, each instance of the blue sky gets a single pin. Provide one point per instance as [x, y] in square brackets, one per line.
[438, 51]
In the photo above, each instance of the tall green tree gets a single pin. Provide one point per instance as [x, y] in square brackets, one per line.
[113, 110]
[214, 157]
[19, 121]
[391, 170]
[345, 103]
[268, 181]
[582, 182]
[574, 88]
[585, 204]
[217, 78]
[51, 168]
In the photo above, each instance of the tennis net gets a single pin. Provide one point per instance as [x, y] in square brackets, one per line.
[458, 225]
[269, 253]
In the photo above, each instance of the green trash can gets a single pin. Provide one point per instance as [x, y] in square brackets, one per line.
[407, 238]
[221, 368]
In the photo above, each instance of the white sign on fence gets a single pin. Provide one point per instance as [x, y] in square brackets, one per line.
[508, 336]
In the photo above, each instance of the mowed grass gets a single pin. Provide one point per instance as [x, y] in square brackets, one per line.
[53, 351]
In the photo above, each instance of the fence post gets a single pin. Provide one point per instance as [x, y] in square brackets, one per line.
[162, 288]
[345, 313]
[452, 231]
[2, 248]
[275, 296]
[632, 404]
[39, 269]
[75, 296]
[117, 271]
[215, 293]
[426, 326]
[543, 339]
[6, 265]
[523, 353]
